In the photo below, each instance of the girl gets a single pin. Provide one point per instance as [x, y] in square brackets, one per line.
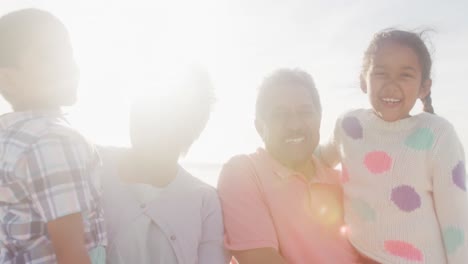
[403, 175]
[157, 212]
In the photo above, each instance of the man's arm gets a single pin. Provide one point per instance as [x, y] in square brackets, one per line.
[258, 255]
[67, 236]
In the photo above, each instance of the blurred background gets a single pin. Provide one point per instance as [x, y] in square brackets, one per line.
[123, 47]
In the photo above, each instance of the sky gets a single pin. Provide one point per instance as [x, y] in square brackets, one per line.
[122, 47]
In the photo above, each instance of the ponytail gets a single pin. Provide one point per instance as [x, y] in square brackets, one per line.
[427, 103]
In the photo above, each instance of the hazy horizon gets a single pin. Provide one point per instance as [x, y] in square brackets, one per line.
[122, 46]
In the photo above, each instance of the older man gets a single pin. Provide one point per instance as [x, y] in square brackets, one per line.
[280, 205]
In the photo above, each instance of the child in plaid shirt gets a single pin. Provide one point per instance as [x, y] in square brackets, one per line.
[49, 201]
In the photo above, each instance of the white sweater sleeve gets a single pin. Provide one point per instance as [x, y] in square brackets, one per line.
[450, 197]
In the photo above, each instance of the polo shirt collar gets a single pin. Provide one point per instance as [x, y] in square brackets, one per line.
[283, 172]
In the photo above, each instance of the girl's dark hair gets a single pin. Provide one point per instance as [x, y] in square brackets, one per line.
[407, 38]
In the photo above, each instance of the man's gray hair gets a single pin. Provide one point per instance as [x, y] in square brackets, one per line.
[286, 78]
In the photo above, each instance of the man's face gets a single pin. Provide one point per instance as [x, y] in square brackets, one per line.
[290, 125]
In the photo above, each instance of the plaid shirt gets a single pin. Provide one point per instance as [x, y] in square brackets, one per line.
[45, 174]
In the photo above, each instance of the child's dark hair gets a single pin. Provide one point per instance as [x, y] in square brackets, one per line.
[412, 40]
[17, 30]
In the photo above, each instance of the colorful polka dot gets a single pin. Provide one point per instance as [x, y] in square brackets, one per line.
[459, 175]
[363, 209]
[378, 162]
[406, 198]
[403, 250]
[422, 139]
[453, 239]
[352, 127]
[344, 175]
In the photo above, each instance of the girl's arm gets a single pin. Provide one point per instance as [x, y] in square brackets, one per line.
[211, 248]
[450, 197]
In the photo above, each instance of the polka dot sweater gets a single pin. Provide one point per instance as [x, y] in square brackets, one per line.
[404, 186]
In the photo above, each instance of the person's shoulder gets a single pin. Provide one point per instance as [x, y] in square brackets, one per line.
[37, 130]
[190, 181]
[356, 112]
[353, 116]
[27, 127]
[200, 194]
[58, 132]
[438, 125]
[352, 120]
[193, 184]
[59, 138]
[238, 173]
[19, 132]
[239, 166]
[238, 160]
[31, 129]
[59, 127]
[433, 120]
